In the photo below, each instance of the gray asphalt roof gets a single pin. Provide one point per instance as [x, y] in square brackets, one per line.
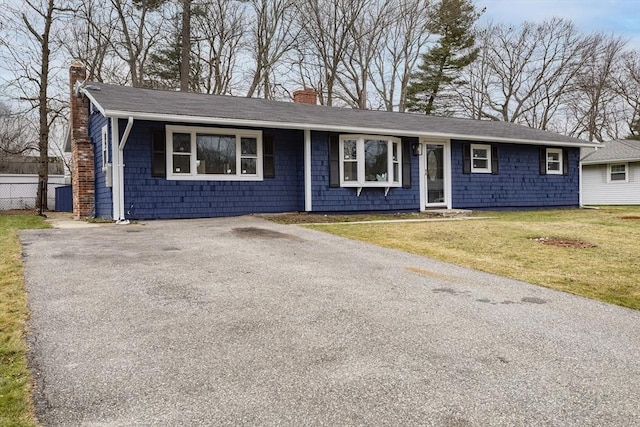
[153, 104]
[627, 149]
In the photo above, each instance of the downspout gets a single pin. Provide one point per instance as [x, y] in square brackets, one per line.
[123, 142]
[580, 183]
[307, 171]
[115, 183]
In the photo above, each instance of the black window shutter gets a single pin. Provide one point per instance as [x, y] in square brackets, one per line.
[543, 161]
[466, 159]
[565, 162]
[158, 153]
[334, 161]
[494, 159]
[406, 163]
[268, 159]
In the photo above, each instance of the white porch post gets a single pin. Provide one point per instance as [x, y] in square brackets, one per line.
[447, 176]
[422, 171]
[307, 171]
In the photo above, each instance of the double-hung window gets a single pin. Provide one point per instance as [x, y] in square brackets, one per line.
[554, 161]
[370, 161]
[213, 154]
[480, 158]
[618, 172]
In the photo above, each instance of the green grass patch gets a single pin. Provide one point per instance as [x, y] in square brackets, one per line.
[604, 263]
[16, 407]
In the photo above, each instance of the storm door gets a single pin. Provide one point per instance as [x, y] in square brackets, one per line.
[434, 175]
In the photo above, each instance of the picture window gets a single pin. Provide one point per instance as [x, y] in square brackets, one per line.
[370, 161]
[214, 154]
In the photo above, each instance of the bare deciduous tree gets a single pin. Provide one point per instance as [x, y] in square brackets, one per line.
[272, 36]
[185, 47]
[626, 81]
[366, 35]
[139, 28]
[404, 38]
[29, 54]
[89, 37]
[18, 132]
[327, 29]
[521, 74]
[593, 107]
[219, 30]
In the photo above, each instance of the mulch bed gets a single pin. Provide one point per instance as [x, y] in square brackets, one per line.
[311, 218]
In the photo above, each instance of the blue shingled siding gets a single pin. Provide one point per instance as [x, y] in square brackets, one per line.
[326, 199]
[103, 193]
[147, 197]
[518, 184]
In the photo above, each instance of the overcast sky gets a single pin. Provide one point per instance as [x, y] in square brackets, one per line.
[620, 17]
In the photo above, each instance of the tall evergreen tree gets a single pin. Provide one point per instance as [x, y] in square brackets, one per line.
[453, 21]
[167, 67]
[164, 62]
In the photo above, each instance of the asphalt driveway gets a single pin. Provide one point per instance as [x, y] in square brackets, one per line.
[240, 321]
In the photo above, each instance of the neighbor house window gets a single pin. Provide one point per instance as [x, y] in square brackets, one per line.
[554, 161]
[618, 172]
[480, 158]
[370, 161]
[213, 154]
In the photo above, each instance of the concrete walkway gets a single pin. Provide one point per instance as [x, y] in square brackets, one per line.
[239, 321]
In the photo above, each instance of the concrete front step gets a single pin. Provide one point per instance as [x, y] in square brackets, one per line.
[448, 213]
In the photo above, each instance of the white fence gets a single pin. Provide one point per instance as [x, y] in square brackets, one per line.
[19, 191]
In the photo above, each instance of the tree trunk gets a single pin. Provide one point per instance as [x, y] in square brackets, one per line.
[185, 50]
[43, 143]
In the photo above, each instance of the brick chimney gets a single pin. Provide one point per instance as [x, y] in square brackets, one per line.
[305, 96]
[82, 178]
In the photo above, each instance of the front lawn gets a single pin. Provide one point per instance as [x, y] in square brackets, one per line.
[15, 384]
[593, 253]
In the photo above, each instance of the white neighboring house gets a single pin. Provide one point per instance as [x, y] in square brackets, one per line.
[611, 174]
[19, 181]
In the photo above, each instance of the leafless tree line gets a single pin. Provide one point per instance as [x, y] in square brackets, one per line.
[356, 53]
[551, 76]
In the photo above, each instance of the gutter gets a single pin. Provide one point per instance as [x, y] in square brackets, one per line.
[333, 128]
[604, 162]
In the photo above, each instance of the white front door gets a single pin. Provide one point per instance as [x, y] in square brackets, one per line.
[436, 179]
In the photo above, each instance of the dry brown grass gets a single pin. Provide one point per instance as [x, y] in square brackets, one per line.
[605, 266]
[15, 383]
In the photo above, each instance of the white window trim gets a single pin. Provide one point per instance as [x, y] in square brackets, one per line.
[481, 147]
[360, 183]
[105, 147]
[626, 173]
[194, 176]
[561, 161]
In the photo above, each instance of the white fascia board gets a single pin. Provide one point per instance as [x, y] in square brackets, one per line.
[608, 161]
[95, 103]
[332, 128]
